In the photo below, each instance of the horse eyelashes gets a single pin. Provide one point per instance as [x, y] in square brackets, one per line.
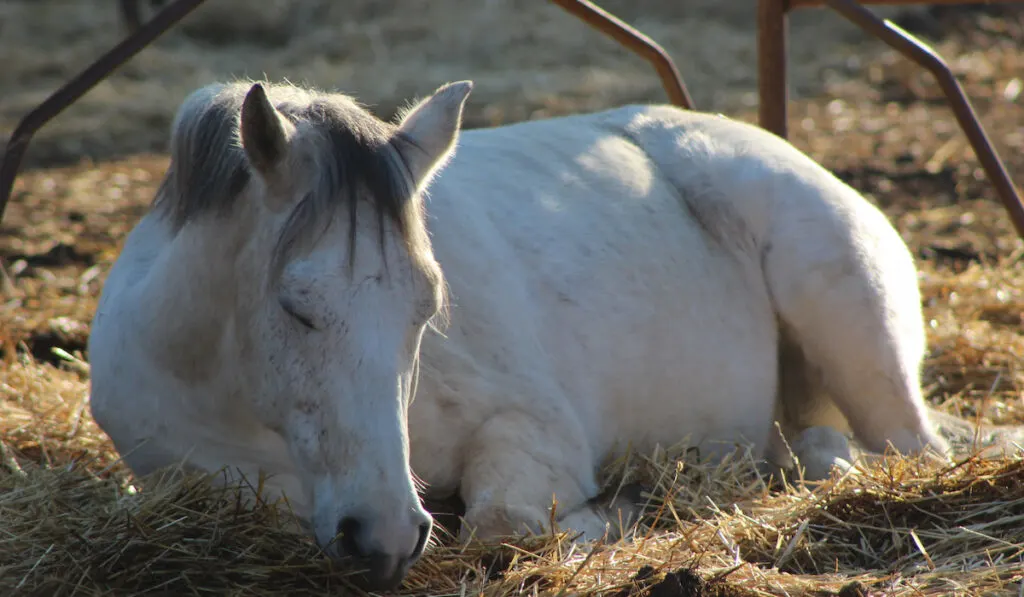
[289, 308]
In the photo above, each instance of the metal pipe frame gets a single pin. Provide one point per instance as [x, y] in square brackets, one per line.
[772, 42]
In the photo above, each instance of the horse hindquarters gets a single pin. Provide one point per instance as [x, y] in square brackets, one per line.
[845, 288]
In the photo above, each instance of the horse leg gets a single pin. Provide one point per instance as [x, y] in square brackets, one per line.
[845, 288]
[520, 466]
[811, 427]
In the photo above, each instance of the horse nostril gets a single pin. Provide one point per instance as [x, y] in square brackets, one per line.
[348, 537]
[421, 543]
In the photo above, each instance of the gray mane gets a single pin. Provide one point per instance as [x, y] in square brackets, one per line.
[353, 157]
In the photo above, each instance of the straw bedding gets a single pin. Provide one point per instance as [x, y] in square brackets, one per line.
[902, 527]
[74, 522]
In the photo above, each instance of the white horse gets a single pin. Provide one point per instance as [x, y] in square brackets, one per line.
[561, 289]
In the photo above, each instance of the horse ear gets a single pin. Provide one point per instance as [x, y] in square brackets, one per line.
[429, 130]
[264, 131]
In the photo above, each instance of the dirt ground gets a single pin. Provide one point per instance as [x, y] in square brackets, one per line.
[860, 109]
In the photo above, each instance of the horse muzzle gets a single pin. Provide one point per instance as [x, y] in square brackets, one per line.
[376, 557]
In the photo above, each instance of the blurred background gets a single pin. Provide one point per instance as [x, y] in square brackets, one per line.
[529, 58]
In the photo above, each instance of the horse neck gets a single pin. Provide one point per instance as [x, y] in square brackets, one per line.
[194, 295]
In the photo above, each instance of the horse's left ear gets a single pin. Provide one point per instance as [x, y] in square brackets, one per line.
[428, 132]
[264, 132]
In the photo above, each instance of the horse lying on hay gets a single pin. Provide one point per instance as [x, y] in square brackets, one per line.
[559, 290]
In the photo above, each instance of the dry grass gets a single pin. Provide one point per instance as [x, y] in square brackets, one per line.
[72, 524]
[903, 527]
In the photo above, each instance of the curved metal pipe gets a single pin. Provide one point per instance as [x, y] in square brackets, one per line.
[772, 87]
[636, 41]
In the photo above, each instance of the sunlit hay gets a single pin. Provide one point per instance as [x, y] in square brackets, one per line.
[44, 417]
[64, 528]
[953, 529]
[680, 485]
[976, 333]
[900, 526]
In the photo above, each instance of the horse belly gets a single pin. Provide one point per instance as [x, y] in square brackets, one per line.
[670, 338]
[705, 383]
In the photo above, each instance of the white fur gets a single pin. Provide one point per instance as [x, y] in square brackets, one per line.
[624, 277]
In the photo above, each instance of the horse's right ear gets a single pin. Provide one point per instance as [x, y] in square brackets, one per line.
[430, 130]
[264, 131]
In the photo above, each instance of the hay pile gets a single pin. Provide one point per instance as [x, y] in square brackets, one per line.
[78, 526]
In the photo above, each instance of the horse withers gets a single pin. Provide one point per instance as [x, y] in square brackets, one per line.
[550, 292]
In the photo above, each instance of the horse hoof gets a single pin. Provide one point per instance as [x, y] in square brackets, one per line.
[819, 450]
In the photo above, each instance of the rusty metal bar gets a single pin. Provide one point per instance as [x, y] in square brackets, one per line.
[773, 87]
[79, 86]
[772, 39]
[636, 41]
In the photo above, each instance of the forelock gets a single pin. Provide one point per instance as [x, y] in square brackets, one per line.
[352, 158]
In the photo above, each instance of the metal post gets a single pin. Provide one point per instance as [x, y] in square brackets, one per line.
[773, 88]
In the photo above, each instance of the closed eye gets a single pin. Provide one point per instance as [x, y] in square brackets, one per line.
[289, 308]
